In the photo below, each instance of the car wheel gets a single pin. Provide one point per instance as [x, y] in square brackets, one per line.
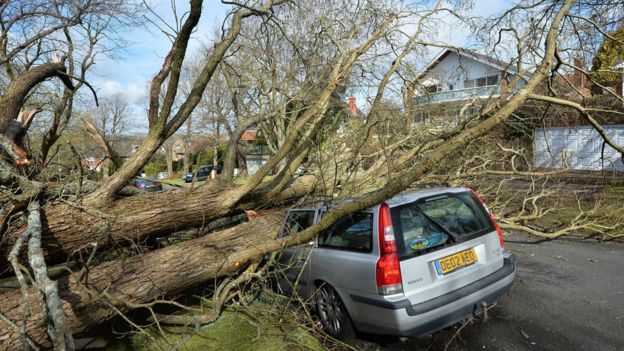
[332, 313]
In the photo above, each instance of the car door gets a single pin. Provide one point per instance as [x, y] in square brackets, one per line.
[203, 173]
[293, 269]
[344, 257]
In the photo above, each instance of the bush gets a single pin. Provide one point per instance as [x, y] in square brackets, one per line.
[153, 168]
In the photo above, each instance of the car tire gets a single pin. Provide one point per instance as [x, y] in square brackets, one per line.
[332, 313]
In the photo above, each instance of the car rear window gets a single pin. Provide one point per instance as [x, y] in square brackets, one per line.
[438, 221]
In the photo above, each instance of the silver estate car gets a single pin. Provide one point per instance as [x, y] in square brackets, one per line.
[422, 261]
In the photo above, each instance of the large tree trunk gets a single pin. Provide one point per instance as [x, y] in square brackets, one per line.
[169, 158]
[68, 228]
[140, 279]
[229, 161]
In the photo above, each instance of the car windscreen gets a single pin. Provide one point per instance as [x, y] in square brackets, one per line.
[437, 221]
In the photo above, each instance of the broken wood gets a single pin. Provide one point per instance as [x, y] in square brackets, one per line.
[100, 140]
[15, 94]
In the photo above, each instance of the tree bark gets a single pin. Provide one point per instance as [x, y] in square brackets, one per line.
[88, 299]
[231, 153]
[15, 94]
[68, 228]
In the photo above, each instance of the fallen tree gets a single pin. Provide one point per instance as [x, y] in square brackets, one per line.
[97, 294]
[70, 227]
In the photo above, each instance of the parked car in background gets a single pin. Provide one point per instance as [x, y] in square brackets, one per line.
[141, 174]
[147, 184]
[203, 173]
[415, 264]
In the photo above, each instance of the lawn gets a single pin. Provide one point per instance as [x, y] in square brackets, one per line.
[252, 328]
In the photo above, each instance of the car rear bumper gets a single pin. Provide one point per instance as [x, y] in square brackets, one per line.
[401, 318]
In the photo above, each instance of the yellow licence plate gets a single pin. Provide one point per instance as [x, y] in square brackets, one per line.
[453, 262]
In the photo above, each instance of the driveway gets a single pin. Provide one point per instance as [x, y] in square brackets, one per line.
[568, 295]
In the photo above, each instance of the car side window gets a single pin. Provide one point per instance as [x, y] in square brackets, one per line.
[354, 232]
[297, 221]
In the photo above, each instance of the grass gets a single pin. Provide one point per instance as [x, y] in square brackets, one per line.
[244, 179]
[237, 181]
[241, 329]
[172, 181]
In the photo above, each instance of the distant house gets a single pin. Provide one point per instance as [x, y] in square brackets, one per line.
[256, 153]
[91, 163]
[353, 108]
[456, 76]
[249, 135]
[571, 142]
[196, 144]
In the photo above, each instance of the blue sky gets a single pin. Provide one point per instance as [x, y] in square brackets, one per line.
[130, 72]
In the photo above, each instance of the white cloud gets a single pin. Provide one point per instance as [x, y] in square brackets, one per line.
[135, 93]
[110, 87]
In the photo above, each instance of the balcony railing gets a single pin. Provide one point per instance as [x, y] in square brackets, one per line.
[252, 149]
[460, 94]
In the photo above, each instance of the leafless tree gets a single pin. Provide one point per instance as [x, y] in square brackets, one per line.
[286, 67]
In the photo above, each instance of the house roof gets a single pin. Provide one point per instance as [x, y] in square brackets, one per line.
[91, 162]
[488, 60]
[249, 135]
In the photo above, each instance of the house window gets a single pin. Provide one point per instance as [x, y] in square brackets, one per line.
[492, 80]
[432, 88]
[451, 87]
[481, 82]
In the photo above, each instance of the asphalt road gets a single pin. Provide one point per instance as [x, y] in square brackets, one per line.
[568, 295]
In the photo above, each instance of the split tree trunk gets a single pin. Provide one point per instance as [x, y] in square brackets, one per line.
[15, 94]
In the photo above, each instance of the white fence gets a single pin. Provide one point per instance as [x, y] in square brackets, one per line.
[577, 148]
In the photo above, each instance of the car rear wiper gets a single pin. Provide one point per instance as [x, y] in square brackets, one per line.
[436, 222]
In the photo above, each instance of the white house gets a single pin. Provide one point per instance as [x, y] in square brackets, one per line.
[460, 74]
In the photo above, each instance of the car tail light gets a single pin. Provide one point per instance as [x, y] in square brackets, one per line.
[496, 226]
[388, 269]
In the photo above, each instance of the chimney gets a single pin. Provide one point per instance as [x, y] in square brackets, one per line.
[579, 77]
[352, 106]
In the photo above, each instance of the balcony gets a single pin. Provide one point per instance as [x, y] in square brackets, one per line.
[459, 94]
[260, 150]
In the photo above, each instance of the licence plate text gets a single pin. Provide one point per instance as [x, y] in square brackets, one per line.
[453, 262]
